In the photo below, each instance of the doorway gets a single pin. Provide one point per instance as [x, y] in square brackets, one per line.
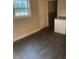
[52, 13]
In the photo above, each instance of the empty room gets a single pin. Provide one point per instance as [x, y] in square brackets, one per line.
[39, 29]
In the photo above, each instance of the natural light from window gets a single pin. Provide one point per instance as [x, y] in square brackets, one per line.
[21, 7]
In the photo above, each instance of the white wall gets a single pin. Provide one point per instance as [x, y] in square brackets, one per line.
[43, 13]
[60, 26]
[61, 9]
[25, 26]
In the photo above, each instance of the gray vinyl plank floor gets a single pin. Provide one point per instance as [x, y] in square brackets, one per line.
[44, 44]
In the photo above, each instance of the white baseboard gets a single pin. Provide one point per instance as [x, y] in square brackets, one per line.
[18, 38]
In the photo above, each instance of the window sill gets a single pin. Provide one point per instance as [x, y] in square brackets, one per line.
[20, 17]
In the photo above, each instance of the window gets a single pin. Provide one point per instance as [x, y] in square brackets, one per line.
[21, 7]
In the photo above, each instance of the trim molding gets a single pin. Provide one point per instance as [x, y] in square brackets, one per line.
[30, 33]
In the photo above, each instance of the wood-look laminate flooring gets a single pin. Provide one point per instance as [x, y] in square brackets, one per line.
[44, 44]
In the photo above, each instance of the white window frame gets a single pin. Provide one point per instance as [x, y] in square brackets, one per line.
[29, 12]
